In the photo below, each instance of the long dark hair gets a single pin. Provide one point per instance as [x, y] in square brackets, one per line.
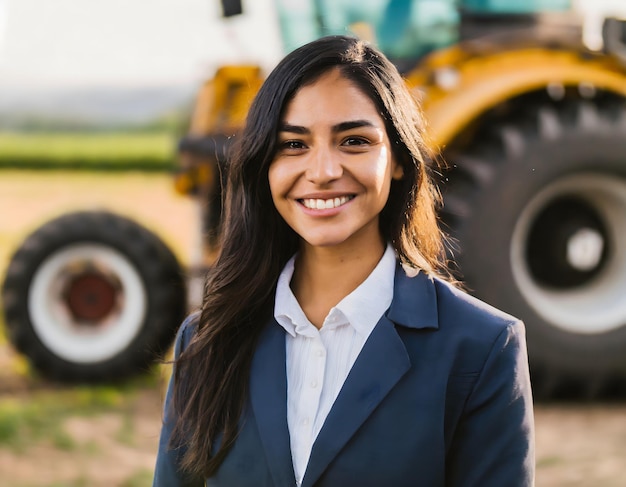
[211, 375]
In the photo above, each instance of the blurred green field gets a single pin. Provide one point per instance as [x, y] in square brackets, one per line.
[146, 151]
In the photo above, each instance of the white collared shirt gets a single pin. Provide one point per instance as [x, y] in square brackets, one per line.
[318, 361]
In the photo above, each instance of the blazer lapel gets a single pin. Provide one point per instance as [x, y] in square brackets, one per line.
[380, 365]
[268, 395]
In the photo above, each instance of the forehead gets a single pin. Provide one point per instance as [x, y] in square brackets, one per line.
[331, 98]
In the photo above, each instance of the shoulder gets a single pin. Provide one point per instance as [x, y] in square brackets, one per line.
[476, 329]
[186, 332]
[457, 306]
[424, 301]
[455, 324]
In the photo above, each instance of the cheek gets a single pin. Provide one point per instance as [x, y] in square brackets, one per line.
[279, 179]
[275, 178]
[383, 172]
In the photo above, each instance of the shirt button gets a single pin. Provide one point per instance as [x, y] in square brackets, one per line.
[320, 352]
[314, 383]
[305, 421]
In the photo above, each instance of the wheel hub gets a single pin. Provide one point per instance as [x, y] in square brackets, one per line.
[91, 297]
[564, 253]
[585, 249]
[567, 243]
[87, 302]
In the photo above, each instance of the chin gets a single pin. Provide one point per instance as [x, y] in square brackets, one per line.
[324, 240]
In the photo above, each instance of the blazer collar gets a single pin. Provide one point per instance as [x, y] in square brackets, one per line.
[414, 303]
[378, 368]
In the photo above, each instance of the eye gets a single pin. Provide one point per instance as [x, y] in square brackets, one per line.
[291, 145]
[354, 141]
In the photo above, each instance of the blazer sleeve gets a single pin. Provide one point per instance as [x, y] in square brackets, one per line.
[167, 472]
[493, 444]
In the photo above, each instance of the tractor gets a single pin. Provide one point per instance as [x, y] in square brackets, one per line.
[530, 122]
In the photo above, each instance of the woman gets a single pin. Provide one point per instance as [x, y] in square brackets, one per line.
[329, 351]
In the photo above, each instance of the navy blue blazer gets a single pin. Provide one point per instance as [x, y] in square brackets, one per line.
[439, 396]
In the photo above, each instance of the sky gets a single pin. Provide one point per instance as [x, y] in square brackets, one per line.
[55, 46]
[77, 43]
[128, 43]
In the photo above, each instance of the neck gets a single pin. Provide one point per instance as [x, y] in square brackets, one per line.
[323, 276]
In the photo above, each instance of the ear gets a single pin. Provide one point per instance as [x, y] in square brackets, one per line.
[397, 171]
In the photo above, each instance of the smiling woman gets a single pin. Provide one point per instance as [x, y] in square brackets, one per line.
[331, 349]
[331, 175]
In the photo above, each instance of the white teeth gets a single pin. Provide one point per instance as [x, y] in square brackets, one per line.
[319, 204]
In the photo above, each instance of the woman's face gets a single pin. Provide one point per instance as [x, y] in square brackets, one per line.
[332, 172]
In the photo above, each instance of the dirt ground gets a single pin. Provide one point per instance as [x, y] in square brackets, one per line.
[114, 447]
[578, 445]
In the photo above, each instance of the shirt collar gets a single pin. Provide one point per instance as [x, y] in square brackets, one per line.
[287, 310]
[362, 308]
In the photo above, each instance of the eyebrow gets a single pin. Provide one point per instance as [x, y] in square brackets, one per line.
[340, 127]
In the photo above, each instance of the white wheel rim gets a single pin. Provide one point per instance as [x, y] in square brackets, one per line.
[600, 305]
[54, 324]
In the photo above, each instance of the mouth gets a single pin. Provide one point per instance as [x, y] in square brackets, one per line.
[325, 204]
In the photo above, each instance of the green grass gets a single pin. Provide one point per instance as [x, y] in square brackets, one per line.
[126, 433]
[549, 461]
[141, 478]
[42, 416]
[90, 151]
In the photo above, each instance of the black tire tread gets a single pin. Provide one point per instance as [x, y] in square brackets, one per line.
[500, 143]
[156, 264]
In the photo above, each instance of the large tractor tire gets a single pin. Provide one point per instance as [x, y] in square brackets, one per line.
[92, 296]
[537, 204]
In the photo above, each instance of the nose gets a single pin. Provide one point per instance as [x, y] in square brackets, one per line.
[323, 166]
